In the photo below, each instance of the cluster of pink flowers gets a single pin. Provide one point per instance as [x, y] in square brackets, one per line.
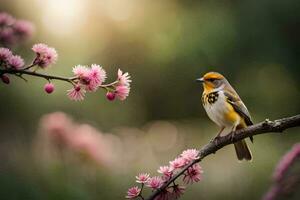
[89, 79]
[13, 31]
[86, 79]
[191, 175]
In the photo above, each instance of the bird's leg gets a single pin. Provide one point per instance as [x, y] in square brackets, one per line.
[233, 132]
[217, 136]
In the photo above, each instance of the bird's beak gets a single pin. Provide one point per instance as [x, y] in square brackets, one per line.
[201, 80]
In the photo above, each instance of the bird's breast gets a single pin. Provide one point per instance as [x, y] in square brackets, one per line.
[218, 109]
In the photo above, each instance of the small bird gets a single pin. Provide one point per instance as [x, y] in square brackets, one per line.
[224, 107]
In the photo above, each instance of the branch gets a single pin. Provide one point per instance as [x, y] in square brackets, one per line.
[266, 126]
[31, 73]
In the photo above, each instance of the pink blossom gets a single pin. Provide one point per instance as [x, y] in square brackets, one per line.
[155, 182]
[142, 178]
[89, 143]
[45, 55]
[6, 19]
[177, 191]
[193, 174]
[190, 155]
[164, 195]
[5, 54]
[287, 160]
[49, 88]
[177, 163]
[77, 93]
[80, 71]
[97, 76]
[23, 28]
[133, 192]
[122, 92]
[110, 96]
[7, 36]
[124, 79]
[16, 62]
[166, 171]
[5, 79]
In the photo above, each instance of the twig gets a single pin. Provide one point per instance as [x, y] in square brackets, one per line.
[266, 126]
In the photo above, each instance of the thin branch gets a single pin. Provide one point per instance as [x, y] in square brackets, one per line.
[266, 126]
[31, 73]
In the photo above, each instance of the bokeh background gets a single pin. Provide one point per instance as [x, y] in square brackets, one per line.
[165, 46]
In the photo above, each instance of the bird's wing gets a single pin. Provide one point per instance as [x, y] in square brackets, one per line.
[239, 107]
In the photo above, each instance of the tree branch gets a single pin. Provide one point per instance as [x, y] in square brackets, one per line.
[266, 126]
[31, 73]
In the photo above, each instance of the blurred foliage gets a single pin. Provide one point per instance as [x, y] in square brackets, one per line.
[165, 46]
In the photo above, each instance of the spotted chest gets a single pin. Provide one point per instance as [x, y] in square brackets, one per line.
[210, 98]
[218, 109]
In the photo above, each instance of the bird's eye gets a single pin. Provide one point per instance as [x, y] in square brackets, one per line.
[211, 79]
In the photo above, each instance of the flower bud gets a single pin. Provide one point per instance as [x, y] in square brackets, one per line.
[49, 88]
[5, 79]
[110, 96]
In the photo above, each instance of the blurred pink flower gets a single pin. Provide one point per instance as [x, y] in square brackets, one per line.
[5, 54]
[76, 93]
[177, 163]
[6, 19]
[45, 55]
[142, 178]
[57, 127]
[155, 182]
[49, 87]
[133, 192]
[23, 28]
[7, 36]
[166, 172]
[122, 92]
[286, 161]
[193, 174]
[89, 142]
[190, 155]
[16, 62]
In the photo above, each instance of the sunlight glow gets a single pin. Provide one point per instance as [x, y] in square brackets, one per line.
[63, 16]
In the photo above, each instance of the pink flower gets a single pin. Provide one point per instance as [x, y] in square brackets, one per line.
[97, 76]
[164, 195]
[5, 54]
[45, 55]
[77, 93]
[16, 62]
[177, 191]
[155, 182]
[80, 71]
[166, 171]
[23, 28]
[6, 19]
[49, 88]
[190, 155]
[133, 192]
[142, 178]
[193, 174]
[124, 79]
[287, 160]
[177, 163]
[122, 92]
[110, 96]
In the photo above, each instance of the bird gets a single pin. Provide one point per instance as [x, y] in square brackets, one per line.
[225, 108]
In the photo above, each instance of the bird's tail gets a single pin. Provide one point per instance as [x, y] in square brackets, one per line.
[242, 150]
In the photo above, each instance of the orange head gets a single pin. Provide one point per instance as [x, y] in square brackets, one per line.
[212, 80]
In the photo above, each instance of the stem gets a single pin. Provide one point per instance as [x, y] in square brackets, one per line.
[47, 77]
[266, 126]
